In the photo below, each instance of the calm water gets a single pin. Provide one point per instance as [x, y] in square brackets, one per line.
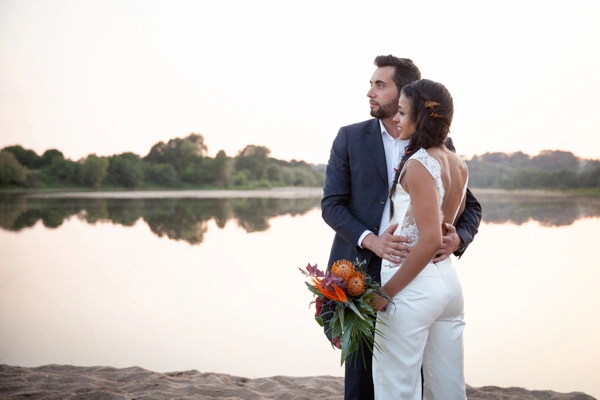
[212, 284]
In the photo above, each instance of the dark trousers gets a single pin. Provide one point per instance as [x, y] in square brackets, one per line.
[358, 379]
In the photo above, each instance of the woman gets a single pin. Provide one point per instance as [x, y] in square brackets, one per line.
[424, 325]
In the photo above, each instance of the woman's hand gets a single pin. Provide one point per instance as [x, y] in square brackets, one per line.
[379, 303]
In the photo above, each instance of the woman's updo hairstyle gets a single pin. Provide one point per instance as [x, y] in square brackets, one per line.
[432, 109]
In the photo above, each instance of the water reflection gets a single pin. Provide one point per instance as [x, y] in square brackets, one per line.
[186, 218]
[549, 209]
[176, 218]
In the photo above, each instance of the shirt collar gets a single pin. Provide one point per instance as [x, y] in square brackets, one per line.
[403, 142]
[383, 130]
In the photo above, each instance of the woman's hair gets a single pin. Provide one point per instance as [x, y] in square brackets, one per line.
[432, 109]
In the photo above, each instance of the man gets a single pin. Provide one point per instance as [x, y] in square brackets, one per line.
[356, 201]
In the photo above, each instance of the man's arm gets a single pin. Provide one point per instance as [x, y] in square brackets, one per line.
[337, 203]
[468, 223]
[337, 192]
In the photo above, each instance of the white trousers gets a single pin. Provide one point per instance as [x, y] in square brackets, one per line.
[425, 327]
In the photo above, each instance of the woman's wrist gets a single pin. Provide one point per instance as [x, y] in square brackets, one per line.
[386, 290]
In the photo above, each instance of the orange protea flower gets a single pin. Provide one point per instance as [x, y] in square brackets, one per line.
[342, 268]
[356, 284]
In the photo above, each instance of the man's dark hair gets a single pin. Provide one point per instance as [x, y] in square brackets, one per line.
[405, 71]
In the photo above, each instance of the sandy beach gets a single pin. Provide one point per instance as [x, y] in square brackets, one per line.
[105, 383]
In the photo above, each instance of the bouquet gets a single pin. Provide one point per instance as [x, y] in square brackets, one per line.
[343, 296]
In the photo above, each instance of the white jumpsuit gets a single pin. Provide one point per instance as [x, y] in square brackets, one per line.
[425, 326]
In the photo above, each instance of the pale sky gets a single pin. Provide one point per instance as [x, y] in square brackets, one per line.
[107, 77]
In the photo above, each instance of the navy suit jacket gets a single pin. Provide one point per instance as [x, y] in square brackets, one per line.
[356, 189]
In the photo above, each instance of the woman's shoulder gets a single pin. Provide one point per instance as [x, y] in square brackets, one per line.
[447, 157]
[430, 156]
[456, 161]
[420, 154]
[427, 158]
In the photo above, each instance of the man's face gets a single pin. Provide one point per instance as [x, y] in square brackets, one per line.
[383, 95]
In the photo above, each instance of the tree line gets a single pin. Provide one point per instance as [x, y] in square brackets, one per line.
[184, 163]
[179, 163]
[550, 169]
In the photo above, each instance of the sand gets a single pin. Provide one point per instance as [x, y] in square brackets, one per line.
[106, 383]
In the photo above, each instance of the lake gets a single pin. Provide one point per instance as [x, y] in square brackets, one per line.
[171, 281]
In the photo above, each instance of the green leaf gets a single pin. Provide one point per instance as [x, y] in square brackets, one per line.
[352, 306]
[345, 346]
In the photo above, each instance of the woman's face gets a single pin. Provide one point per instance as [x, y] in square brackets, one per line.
[406, 126]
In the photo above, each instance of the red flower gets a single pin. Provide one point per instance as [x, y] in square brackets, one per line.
[319, 306]
[337, 342]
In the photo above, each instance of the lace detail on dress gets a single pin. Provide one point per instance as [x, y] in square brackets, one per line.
[408, 227]
[433, 166]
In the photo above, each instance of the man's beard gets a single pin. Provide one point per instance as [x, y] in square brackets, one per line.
[386, 110]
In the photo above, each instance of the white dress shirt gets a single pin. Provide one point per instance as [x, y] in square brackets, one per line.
[394, 151]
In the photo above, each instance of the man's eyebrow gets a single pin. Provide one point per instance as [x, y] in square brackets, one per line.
[378, 82]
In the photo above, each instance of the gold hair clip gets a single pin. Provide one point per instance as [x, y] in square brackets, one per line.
[431, 104]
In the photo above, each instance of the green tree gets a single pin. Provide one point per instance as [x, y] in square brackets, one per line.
[49, 156]
[554, 160]
[11, 171]
[519, 159]
[496, 158]
[240, 178]
[273, 172]
[94, 170]
[126, 169]
[180, 153]
[62, 171]
[27, 158]
[253, 160]
[161, 174]
[561, 179]
[298, 173]
[194, 173]
[223, 167]
[527, 178]
[590, 178]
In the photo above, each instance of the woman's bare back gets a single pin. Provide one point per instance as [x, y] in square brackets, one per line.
[454, 177]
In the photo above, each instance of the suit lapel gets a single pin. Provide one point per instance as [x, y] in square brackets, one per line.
[375, 146]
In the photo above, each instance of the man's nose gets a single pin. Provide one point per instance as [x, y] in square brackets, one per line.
[370, 93]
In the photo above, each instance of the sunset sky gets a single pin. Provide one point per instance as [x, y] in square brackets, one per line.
[107, 77]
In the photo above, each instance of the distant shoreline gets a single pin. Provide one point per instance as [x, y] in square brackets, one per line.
[279, 193]
[533, 192]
